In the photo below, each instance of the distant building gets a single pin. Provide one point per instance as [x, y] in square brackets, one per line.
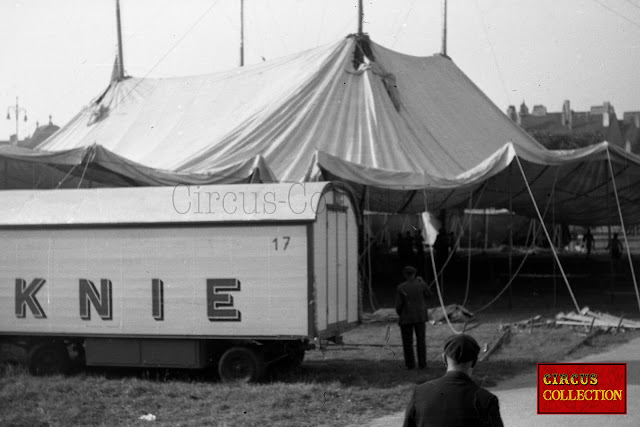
[39, 135]
[600, 109]
[569, 129]
[513, 115]
[539, 110]
[631, 131]
[524, 110]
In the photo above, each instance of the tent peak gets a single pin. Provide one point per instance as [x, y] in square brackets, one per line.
[362, 49]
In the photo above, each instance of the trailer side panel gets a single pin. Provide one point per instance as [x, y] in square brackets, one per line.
[173, 281]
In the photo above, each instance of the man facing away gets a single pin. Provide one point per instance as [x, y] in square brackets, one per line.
[454, 399]
[615, 247]
[411, 306]
[588, 241]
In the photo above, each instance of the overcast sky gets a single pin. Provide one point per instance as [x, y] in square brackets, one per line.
[57, 55]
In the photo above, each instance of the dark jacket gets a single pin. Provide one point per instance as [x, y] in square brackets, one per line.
[452, 400]
[411, 301]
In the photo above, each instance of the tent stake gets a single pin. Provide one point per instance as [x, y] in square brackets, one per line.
[619, 323]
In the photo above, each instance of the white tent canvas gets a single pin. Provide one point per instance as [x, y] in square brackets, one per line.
[408, 133]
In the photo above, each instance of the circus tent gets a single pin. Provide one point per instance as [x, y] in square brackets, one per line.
[407, 133]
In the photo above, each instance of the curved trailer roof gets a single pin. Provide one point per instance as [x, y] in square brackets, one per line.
[183, 204]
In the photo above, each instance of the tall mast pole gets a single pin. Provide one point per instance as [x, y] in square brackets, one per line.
[16, 110]
[17, 114]
[444, 28]
[120, 56]
[241, 33]
[360, 17]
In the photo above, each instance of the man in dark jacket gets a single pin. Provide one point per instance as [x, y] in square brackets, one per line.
[411, 306]
[454, 399]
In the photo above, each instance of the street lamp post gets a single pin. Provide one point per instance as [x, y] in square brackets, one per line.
[16, 112]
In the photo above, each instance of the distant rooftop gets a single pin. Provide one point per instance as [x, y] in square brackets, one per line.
[572, 129]
[39, 135]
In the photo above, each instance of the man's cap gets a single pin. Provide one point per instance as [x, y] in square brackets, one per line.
[409, 270]
[462, 348]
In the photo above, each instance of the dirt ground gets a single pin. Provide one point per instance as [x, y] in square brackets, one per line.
[378, 347]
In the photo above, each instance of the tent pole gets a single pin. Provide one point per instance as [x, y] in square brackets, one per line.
[443, 213]
[486, 230]
[444, 28]
[470, 216]
[367, 260]
[624, 231]
[360, 17]
[510, 235]
[546, 232]
[242, 33]
[120, 55]
[524, 258]
[612, 273]
[435, 275]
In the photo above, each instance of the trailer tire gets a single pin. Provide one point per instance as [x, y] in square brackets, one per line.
[49, 359]
[241, 364]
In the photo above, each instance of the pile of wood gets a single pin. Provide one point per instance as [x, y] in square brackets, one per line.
[380, 315]
[529, 324]
[595, 319]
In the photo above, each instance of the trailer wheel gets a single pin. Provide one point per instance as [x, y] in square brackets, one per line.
[241, 364]
[49, 359]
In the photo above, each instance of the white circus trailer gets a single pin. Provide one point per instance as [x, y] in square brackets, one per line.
[234, 276]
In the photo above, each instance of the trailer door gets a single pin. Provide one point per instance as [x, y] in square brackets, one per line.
[335, 266]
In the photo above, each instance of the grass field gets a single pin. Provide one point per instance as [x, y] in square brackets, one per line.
[336, 386]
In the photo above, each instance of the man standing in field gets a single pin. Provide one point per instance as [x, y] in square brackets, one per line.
[411, 306]
[454, 399]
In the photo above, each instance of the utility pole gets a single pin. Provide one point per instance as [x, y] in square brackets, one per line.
[16, 111]
[242, 33]
[360, 17]
[444, 28]
[120, 56]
